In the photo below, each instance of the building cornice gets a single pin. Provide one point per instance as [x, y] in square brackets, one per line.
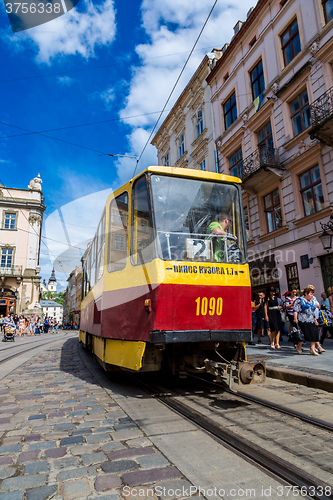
[28, 204]
[236, 40]
[204, 64]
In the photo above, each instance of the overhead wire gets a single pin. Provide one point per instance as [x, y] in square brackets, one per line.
[56, 139]
[175, 85]
[93, 68]
[75, 126]
[40, 132]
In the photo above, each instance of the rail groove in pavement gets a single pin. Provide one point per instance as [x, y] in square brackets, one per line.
[281, 468]
[27, 350]
[316, 422]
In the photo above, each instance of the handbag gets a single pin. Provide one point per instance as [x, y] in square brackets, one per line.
[297, 334]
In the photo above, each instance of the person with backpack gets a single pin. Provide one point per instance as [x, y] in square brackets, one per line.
[46, 324]
[325, 323]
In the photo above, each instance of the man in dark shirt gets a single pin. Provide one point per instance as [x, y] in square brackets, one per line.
[260, 312]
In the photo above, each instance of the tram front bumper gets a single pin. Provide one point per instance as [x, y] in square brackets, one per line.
[180, 336]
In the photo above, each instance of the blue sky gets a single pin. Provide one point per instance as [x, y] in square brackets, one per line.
[101, 73]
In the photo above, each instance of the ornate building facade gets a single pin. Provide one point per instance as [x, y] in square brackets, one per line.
[264, 91]
[186, 137]
[20, 239]
[72, 297]
[272, 108]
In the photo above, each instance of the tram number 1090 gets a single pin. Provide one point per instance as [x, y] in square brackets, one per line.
[211, 306]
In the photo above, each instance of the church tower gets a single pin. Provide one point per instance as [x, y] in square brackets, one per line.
[52, 285]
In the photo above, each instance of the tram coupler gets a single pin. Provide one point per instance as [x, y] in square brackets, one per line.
[239, 373]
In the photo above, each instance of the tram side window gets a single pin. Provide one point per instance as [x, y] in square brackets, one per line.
[100, 248]
[118, 229]
[86, 284]
[142, 244]
[92, 260]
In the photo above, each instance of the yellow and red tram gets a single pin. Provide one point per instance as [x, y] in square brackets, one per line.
[160, 287]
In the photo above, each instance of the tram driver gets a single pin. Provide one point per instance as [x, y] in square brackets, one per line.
[227, 242]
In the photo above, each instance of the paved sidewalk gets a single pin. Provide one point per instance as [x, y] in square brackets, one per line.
[292, 367]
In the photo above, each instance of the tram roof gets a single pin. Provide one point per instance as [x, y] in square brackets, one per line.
[181, 172]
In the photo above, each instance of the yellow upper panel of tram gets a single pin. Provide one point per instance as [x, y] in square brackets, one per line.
[179, 172]
[156, 272]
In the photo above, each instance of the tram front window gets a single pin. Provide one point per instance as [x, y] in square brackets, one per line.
[198, 220]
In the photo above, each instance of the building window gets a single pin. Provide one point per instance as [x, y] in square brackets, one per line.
[9, 221]
[290, 41]
[257, 80]
[292, 276]
[300, 113]
[273, 210]
[328, 9]
[6, 257]
[166, 160]
[230, 111]
[202, 165]
[236, 164]
[181, 146]
[265, 137]
[312, 191]
[200, 125]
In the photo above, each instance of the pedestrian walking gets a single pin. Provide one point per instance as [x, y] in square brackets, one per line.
[260, 314]
[16, 321]
[290, 298]
[273, 317]
[46, 324]
[325, 301]
[325, 324]
[305, 315]
[1, 323]
[32, 325]
[21, 324]
[26, 321]
[330, 298]
[37, 325]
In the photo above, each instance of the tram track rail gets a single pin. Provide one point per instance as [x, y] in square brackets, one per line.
[316, 422]
[285, 470]
[23, 351]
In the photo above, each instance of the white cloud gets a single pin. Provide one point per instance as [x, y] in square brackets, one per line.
[79, 32]
[172, 27]
[68, 230]
[108, 95]
[65, 81]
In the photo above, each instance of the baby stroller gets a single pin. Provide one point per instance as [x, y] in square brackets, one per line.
[8, 333]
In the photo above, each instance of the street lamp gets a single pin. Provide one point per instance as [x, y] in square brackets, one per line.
[326, 238]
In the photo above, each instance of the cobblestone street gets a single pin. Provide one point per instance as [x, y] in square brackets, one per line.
[68, 434]
[58, 425]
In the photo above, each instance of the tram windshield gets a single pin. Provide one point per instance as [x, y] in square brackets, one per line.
[198, 220]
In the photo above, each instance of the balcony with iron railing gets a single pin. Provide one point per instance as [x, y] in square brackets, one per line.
[11, 271]
[322, 118]
[262, 165]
